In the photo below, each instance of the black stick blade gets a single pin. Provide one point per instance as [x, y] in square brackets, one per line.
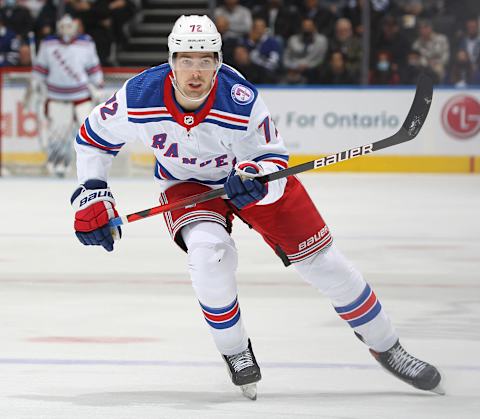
[416, 116]
[420, 106]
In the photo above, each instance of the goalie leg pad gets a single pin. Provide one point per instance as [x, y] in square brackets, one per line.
[82, 110]
[353, 299]
[60, 119]
[60, 133]
[212, 262]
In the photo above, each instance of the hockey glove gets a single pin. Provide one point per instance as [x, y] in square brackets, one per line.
[95, 206]
[241, 186]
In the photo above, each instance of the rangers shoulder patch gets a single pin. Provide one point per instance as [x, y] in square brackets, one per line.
[241, 94]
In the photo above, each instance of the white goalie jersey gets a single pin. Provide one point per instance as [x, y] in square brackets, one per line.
[202, 146]
[68, 69]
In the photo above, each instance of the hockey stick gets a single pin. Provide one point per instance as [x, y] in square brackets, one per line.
[408, 131]
[33, 53]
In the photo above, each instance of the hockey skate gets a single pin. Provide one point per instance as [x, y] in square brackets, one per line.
[244, 371]
[407, 368]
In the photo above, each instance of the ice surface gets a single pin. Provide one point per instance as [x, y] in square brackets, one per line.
[88, 334]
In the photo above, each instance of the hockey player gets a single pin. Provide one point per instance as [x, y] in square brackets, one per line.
[209, 127]
[66, 73]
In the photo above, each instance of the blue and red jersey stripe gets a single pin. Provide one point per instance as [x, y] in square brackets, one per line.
[86, 136]
[222, 318]
[364, 309]
[94, 69]
[281, 160]
[60, 89]
[39, 69]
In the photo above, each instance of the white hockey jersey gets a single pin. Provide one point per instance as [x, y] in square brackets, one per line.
[68, 68]
[232, 125]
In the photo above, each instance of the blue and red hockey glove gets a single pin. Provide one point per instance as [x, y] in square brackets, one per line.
[241, 186]
[95, 207]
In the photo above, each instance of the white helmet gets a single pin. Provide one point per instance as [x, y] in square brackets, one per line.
[194, 33]
[67, 28]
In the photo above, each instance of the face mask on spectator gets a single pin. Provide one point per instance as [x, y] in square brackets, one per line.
[383, 65]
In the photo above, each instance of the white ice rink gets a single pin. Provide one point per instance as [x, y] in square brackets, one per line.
[87, 334]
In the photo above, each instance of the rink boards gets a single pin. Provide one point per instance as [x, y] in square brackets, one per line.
[314, 122]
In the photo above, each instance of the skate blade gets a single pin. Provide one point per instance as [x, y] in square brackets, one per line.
[438, 390]
[250, 391]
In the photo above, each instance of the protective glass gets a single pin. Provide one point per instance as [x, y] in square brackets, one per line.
[200, 63]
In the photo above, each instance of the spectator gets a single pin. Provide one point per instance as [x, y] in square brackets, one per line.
[476, 73]
[239, 17]
[349, 44]
[9, 46]
[334, 6]
[16, 18]
[282, 20]
[385, 71]
[393, 40]
[420, 8]
[335, 72]
[46, 20]
[462, 72]
[121, 11]
[304, 53]
[223, 25]
[45, 24]
[229, 40]
[33, 6]
[433, 48]
[323, 18]
[462, 10]
[265, 51]
[409, 73]
[354, 9]
[243, 63]
[24, 55]
[471, 41]
[96, 18]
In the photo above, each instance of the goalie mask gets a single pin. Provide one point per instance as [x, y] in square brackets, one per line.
[194, 34]
[67, 28]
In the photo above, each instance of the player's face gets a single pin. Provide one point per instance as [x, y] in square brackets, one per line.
[194, 72]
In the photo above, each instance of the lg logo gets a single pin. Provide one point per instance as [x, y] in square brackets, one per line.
[461, 116]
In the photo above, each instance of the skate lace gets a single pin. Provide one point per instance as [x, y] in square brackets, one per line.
[240, 361]
[404, 363]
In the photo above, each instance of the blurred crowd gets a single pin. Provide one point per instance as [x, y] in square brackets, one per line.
[320, 41]
[291, 41]
[103, 20]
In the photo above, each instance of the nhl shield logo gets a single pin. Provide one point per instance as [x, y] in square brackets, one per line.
[242, 95]
[188, 119]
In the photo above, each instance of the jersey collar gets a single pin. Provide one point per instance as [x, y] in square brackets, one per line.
[190, 119]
